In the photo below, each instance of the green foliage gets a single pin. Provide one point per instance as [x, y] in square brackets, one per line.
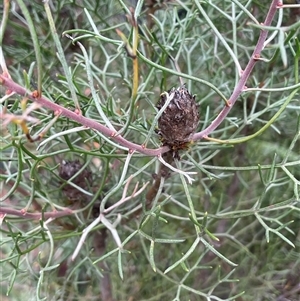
[223, 226]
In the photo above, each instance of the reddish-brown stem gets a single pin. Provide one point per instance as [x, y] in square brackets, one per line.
[89, 123]
[242, 82]
[25, 214]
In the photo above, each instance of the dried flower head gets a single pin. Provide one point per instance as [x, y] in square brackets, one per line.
[84, 179]
[179, 120]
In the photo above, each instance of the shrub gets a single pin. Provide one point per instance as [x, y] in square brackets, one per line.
[101, 199]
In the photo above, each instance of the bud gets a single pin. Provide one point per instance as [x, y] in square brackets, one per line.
[179, 121]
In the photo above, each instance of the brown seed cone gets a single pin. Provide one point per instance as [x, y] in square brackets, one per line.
[179, 121]
[84, 180]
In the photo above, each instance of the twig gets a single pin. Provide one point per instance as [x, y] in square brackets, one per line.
[89, 123]
[124, 198]
[28, 215]
[185, 174]
[101, 218]
[84, 235]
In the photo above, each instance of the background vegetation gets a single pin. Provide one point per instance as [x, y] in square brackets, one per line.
[84, 218]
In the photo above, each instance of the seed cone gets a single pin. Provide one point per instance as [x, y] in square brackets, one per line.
[179, 121]
[84, 180]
